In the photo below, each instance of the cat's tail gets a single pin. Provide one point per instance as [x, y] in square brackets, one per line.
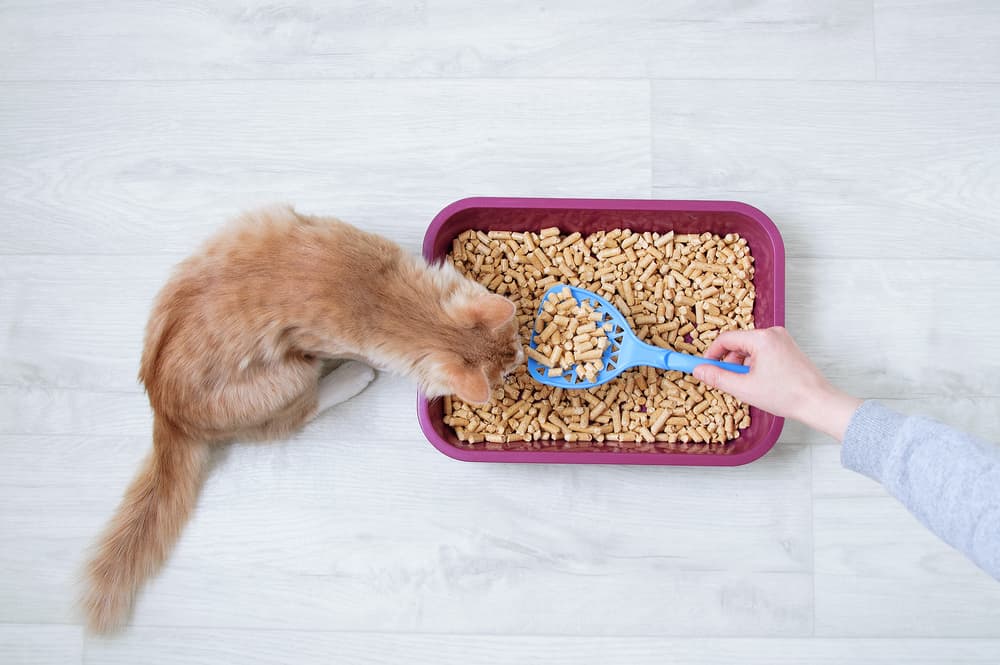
[149, 519]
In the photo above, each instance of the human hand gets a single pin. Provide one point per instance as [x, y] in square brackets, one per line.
[781, 380]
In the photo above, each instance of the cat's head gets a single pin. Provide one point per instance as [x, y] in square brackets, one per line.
[483, 346]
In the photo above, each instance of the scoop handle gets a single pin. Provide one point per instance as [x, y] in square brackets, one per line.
[682, 362]
[640, 353]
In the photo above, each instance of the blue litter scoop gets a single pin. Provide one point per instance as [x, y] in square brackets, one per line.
[624, 349]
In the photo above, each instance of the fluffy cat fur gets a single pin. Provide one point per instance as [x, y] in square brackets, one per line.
[235, 348]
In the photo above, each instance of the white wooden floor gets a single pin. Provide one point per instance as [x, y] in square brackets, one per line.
[869, 131]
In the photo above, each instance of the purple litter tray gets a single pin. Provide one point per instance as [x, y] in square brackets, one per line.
[589, 216]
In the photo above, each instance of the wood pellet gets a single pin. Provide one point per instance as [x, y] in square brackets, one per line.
[675, 290]
[569, 338]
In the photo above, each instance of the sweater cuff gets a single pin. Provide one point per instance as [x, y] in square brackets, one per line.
[869, 439]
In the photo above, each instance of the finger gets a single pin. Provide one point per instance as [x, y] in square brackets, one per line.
[723, 379]
[734, 357]
[743, 341]
[716, 351]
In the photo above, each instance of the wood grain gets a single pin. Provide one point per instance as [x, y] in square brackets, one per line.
[32, 644]
[209, 647]
[153, 167]
[310, 39]
[917, 40]
[871, 170]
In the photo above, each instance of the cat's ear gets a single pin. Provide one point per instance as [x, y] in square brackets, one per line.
[469, 383]
[492, 310]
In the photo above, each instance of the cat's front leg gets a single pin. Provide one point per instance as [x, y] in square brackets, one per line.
[342, 384]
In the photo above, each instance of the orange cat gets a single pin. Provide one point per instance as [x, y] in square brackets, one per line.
[235, 349]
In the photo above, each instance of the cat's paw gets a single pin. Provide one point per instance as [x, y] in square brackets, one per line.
[344, 383]
[354, 373]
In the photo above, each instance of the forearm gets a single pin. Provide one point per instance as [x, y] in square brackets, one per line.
[827, 409]
[949, 480]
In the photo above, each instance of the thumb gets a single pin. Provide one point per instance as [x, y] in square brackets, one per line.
[716, 377]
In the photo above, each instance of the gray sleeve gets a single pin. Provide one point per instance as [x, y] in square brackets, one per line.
[949, 480]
